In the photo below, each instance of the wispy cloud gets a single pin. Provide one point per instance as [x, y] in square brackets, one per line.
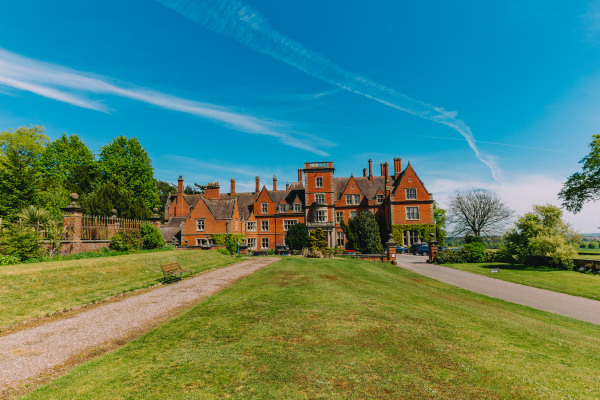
[74, 87]
[246, 25]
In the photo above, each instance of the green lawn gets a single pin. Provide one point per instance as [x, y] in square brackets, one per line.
[34, 290]
[347, 329]
[557, 280]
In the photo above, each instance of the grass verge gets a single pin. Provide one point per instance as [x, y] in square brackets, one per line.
[29, 291]
[339, 329]
[557, 280]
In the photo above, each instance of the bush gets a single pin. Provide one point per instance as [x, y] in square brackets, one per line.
[224, 251]
[126, 241]
[297, 237]
[474, 252]
[232, 240]
[582, 245]
[7, 260]
[151, 236]
[270, 252]
[312, 253]
[317, 239]
[21, 243]
[592, 245]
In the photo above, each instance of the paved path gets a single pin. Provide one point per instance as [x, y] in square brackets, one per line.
[557, 303]
[31, 352]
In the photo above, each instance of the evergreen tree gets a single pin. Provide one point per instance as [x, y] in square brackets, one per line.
[297, 237]
[350, 236]
[367, 234]
[317, 240]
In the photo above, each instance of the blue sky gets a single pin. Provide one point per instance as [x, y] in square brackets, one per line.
[503, 96]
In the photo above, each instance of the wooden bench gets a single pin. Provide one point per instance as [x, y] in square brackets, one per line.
[494, 270]
[173, 272]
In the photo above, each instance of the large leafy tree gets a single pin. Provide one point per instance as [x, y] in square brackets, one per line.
[164, 188]
[110, 196]
[478, 212]
[585, 185]
[20, 176]
[541, 236]
[297, 237]
[439, 215]
[125, 163]
[69, 162]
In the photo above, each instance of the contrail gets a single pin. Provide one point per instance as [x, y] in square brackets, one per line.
[71, 86]
[246, 25]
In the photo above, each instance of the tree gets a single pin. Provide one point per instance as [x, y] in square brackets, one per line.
[478, 212]
[439, 215]
[542, 236]
[297, 237]
[367, 234]
[164, 188]
[68, 161]
[125, 163]
[349, 233]
[317, 240]
[20, 150]
[585, 185]
[110, 196]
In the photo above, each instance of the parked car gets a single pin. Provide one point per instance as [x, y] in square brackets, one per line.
[349, 252]
[416, 246]
[401, 249]
[282, 251]
[260, 253]
[423, 250]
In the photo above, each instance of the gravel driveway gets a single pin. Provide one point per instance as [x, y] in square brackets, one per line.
[30, 353]
[546, 300]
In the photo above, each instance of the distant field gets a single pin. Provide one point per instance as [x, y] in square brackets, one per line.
[557, 280]
[347, 329]
[34, 290]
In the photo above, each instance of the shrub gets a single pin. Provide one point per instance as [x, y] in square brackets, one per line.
[474, 252]
[151, 236]
[224, 251]
[22, 243]
[593, 245]
[582, 245]
[312, 253]
[270, 252]
[7, 260]
[317, 239]
[126, 241]
[297, 237]
[232, 240]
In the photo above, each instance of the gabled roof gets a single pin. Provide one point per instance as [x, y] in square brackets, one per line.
[339, 187]
[172, 228]
[220, 209]
[397, 183]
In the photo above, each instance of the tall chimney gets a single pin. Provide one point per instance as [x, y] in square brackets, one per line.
[365, 172]
[274, 183]
[257, 187]
[386, 171]
[382, 169]
[179, 206]
[232, 191]
[300, 175]
[287, 186]
[370, 169]
[397, 167]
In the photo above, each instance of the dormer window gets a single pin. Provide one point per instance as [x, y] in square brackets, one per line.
[379, 198]
[264, 208]
[353, 199]
[411, 194]
[282, 208]
[297, 207]
[319, 182]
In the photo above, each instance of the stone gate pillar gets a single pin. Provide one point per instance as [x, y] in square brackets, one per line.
[72, 222]
[433, 248]
[391, 250]
[155, 218]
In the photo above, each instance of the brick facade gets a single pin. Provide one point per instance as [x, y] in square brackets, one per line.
[319, 199]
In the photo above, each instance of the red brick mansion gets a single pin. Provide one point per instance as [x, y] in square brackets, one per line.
[318, 199]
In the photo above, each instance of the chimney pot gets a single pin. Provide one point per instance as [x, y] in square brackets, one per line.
[397, 167]
[365, 172]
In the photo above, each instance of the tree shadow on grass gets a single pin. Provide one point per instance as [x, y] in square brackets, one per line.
[521, 267]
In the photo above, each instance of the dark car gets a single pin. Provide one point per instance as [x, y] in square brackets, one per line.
[282, 251]
[260, 253]
[350, 252]
[401, 249]
[423, 250]
[416, 246]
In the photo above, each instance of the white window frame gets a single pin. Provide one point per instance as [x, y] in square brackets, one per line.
[410, 213]
[199, 241]
[320, 197]
[412, 195]
[200, 227]
[320, 216]
[287, 223]
[264, 243]
[339, 238]
[251, 242]
[349, 199]
[236, 225]
[353, 214]
[251, 226]
[264, 224]
[282, 208]
[297, 207]
[357, 199]
[379, 198]
[264, 208]
[339, 217]
[319, 181]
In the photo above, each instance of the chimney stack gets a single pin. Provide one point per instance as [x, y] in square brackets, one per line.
[365, 172]
[370, 169]
[386, 171]
[257, 187]
[180, 184]
[397, 167]
[287, 186]
[300, 175]
[382, 169]
[179, 206]
[232, 191]
[274, 183]
[212, 191]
